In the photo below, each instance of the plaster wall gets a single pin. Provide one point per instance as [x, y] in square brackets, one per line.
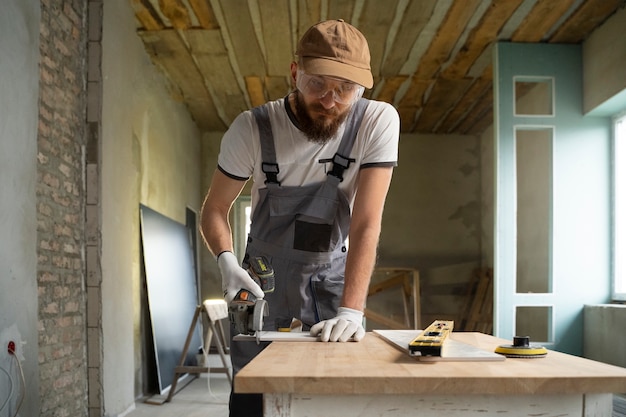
[150, 154]
[432, 219]
[19, 84]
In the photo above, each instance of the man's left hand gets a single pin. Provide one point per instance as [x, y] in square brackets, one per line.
[347, 324]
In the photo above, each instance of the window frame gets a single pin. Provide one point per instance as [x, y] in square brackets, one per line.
[618, 207]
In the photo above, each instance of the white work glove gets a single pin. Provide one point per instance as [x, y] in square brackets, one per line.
[234, 277]
[348, 323]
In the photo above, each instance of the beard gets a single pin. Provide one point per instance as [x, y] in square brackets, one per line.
[322, 129]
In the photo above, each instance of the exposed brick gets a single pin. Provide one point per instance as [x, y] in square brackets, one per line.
[62, 136]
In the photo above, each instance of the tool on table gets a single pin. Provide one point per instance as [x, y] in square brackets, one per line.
[521, 348]
[430, 341]
[246, 312]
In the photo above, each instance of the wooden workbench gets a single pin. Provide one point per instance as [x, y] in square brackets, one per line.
[374, 378]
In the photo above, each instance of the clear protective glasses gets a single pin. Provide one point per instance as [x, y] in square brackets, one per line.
[317, 86]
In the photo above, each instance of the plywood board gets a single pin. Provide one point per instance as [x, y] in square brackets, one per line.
[270, 336]
[453, 350]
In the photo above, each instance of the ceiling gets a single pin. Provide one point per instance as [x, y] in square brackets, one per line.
[430, 58]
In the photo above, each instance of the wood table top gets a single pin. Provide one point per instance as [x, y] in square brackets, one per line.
[374, 366]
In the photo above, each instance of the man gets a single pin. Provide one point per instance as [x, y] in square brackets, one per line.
[321, 160]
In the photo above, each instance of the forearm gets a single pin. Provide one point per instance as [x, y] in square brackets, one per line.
[215, 229]
[214, 226]
[365, 230]
[359, 267]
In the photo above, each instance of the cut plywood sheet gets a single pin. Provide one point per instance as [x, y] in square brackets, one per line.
[453, 350]
[273, 336]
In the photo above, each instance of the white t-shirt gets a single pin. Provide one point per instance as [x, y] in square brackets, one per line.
[298, 158]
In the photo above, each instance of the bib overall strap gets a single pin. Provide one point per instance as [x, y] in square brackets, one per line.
[268, 152]
[342, 160]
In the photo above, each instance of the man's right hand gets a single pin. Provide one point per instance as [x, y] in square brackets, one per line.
[234, 277]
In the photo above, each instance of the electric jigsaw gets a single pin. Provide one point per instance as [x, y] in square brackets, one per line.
[246, 311]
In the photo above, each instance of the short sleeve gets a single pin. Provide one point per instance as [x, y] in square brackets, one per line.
[239, 148]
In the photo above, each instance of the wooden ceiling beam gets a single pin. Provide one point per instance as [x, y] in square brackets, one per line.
[168, 51]
[414, 19]
[204, 14]
[483, 107]
[390, 87]
[240, 29]
[276, 27]
[442, 98]
[446, 38]
[481, 37]
[540, 20]
[176, 12]
[374, 22]
[308, 13]
[147, 17]
[465, 107]
[209, 53]
[256, 90]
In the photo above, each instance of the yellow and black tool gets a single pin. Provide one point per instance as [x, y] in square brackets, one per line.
[521, 348]
[430, 341]
[246, 312]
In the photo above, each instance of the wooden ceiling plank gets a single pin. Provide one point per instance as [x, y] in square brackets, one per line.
[442, 98]
[414, 95]
[208, 50]
[238, 23]
[277, 87]
[308, 14]
[390, 88]
[147, 17]
[540, 19]
[276, 28]
[483, 105]
[415, 17]
[374, 22]
[465, 106]
[481, 37]
[255, 91]
[407, 117]
[586, 18]
[168, 52]
[446, 37]
[340, 9]
[176, 12]
[204, 13]
[482, 123]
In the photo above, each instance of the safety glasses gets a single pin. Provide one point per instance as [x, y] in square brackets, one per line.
[317, 86]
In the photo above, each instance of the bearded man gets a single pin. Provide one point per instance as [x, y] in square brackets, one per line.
[321, 161]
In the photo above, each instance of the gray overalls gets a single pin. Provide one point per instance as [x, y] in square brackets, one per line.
[302, 233]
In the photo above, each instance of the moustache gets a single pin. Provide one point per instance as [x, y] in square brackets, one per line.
[318, 108]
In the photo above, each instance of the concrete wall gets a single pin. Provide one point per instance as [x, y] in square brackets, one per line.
[604, 60]
[151, 154]
[432, 218]
[605, 340]
[19, 83]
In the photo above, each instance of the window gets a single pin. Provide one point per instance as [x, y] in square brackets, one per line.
[619, 208]
[241, 225]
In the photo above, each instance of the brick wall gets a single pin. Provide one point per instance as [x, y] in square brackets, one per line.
[61, 208]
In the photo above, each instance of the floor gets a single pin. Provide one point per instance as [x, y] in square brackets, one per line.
[204, 396]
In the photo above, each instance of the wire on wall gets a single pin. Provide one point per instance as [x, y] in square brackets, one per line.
[22, 389]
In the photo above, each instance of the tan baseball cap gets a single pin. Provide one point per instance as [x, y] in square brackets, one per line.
[337, 49]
